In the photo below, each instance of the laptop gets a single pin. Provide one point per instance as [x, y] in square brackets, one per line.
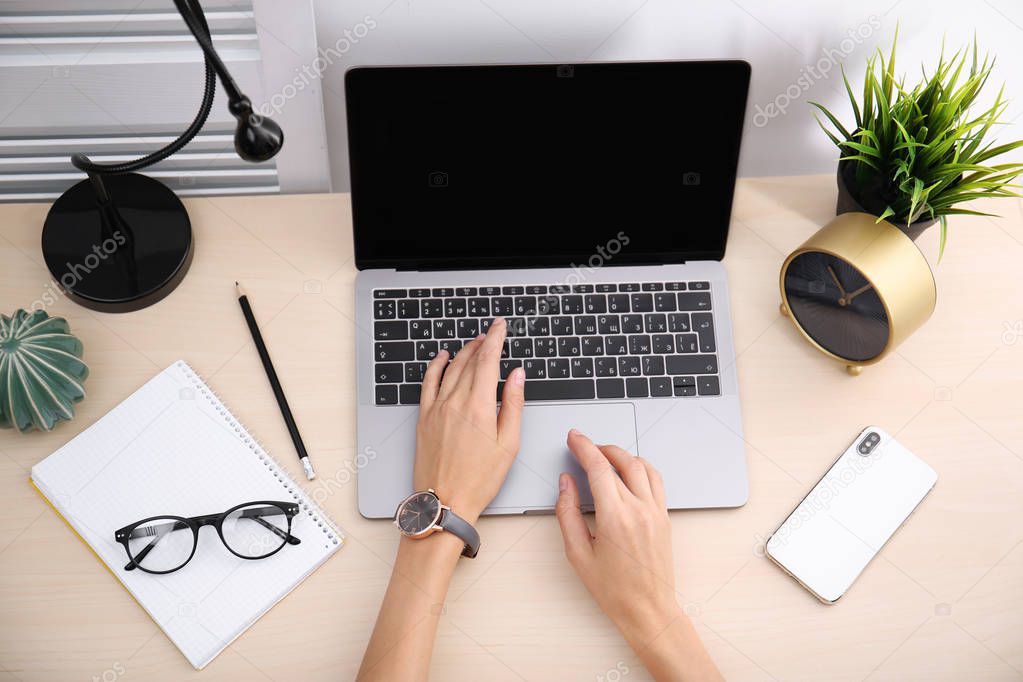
[589, 205]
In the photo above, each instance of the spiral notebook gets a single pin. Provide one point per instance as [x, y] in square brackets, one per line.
[173, 448]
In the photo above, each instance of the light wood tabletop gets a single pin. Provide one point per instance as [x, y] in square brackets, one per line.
[943, 601]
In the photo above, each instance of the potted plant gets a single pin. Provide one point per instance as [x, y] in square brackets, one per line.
[914, 155]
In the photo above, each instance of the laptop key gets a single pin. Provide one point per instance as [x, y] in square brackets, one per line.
[642, 303]
[664, 344]
[390, 331]
[490, 291]
[516, 326]
[697, 286]
[545, 348]
[675, 286]
[681, 391]
[560, 289]
[419, 293]
[420, 329]
[660, 387]
[433, 307]
[694, 300]
[408, 394]
[708, 385]
[443, 291]
[408, 308]
[632, 324]
[585, 325]
[687, 343]
[536, 289]
[610, 388]
[538, 326]
[562, 326]
[479, 307]
[607, 288]
[466, 291]
[653, 365]
[609, 324]
[632, 286]
[535, 369]
[703, 324]
[582, 367]
[525, 305]
[445, 329]
[467, 328]
[628, 366]
[502, 305]
[605, 367]
[691, 364]
[426, 350]
[521, 348]
[513, 290]
[387, 394]
[595, 303]
[548, 305]
[572, 305]
[567, 389]
[664, 302]
[451, 346]
[454, 307]
[384, 309]
[393, 351]
[618, 303]
[683, 381]
[593, 345]
[507, 366]
[559, 368]
[616, 345]
[388, 372]
[678, 322]
[639, 344]
[652, 286]
[414, 372]
[655, 323]
[636, 388]
[568, 346]
[389, 293]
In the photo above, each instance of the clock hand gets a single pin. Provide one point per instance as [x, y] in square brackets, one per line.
[850, 297]
[841, 289]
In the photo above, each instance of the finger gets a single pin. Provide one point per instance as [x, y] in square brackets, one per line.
[574, 531]
[487, 367]
[431, 380]
[656, 484]
[509, 419]
[631, 469]
[457, 367]
[604, 483]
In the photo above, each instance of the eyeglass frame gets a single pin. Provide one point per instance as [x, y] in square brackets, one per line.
[194, 523]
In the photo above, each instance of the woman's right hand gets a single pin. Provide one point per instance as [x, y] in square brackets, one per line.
[626, 563]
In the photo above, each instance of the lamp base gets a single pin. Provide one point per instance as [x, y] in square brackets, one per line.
[120, 256]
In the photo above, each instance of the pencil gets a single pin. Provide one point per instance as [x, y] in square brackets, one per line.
[275, 384]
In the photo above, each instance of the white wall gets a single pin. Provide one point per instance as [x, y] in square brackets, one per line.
[779, 38]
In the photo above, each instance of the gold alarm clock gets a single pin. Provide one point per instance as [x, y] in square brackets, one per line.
[857, 289]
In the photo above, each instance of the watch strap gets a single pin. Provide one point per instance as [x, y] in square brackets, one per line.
[463, 530]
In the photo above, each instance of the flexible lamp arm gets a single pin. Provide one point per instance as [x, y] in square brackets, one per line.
[256, 138]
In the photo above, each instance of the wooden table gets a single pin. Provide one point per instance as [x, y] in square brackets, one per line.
[943, 601]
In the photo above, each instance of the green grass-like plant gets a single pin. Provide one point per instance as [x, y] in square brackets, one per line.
[917, 154]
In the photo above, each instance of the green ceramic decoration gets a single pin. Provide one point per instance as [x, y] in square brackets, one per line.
[41, 371]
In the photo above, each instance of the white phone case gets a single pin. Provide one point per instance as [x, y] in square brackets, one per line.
[842, 523]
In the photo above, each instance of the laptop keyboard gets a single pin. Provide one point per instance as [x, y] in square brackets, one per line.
[579, 342]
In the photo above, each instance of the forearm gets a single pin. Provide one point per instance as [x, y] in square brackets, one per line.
[671, 650]
[402, 640]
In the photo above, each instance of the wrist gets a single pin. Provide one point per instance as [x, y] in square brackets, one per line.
[644, 623]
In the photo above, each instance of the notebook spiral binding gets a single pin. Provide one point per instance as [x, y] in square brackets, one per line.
[326, 524]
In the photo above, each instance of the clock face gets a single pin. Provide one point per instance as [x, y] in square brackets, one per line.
[418, 513]
[836, 306]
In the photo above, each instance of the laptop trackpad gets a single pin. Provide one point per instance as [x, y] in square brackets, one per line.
[532, 482]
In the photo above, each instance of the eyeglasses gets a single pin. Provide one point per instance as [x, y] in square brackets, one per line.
[253, 530]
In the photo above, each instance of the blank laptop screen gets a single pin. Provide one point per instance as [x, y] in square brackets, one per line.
[491, 166]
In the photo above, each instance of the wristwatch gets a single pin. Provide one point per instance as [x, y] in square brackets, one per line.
[421, 514]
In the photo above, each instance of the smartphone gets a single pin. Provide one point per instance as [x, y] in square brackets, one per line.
[845, 520]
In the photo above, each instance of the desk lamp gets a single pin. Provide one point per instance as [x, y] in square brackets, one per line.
[119, 241]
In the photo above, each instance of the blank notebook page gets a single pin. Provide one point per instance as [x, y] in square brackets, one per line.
[173, 448]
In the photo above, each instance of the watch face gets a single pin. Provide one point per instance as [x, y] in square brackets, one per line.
[836, 306]
[418, 513]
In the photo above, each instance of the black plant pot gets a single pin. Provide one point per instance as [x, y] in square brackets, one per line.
[873, 202]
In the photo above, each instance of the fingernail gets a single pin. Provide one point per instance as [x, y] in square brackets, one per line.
[563, 482]
[481, 337]
[518, 376]
[574, 432]
[497, 320]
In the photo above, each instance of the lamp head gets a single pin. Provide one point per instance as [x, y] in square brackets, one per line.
[257, 138]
